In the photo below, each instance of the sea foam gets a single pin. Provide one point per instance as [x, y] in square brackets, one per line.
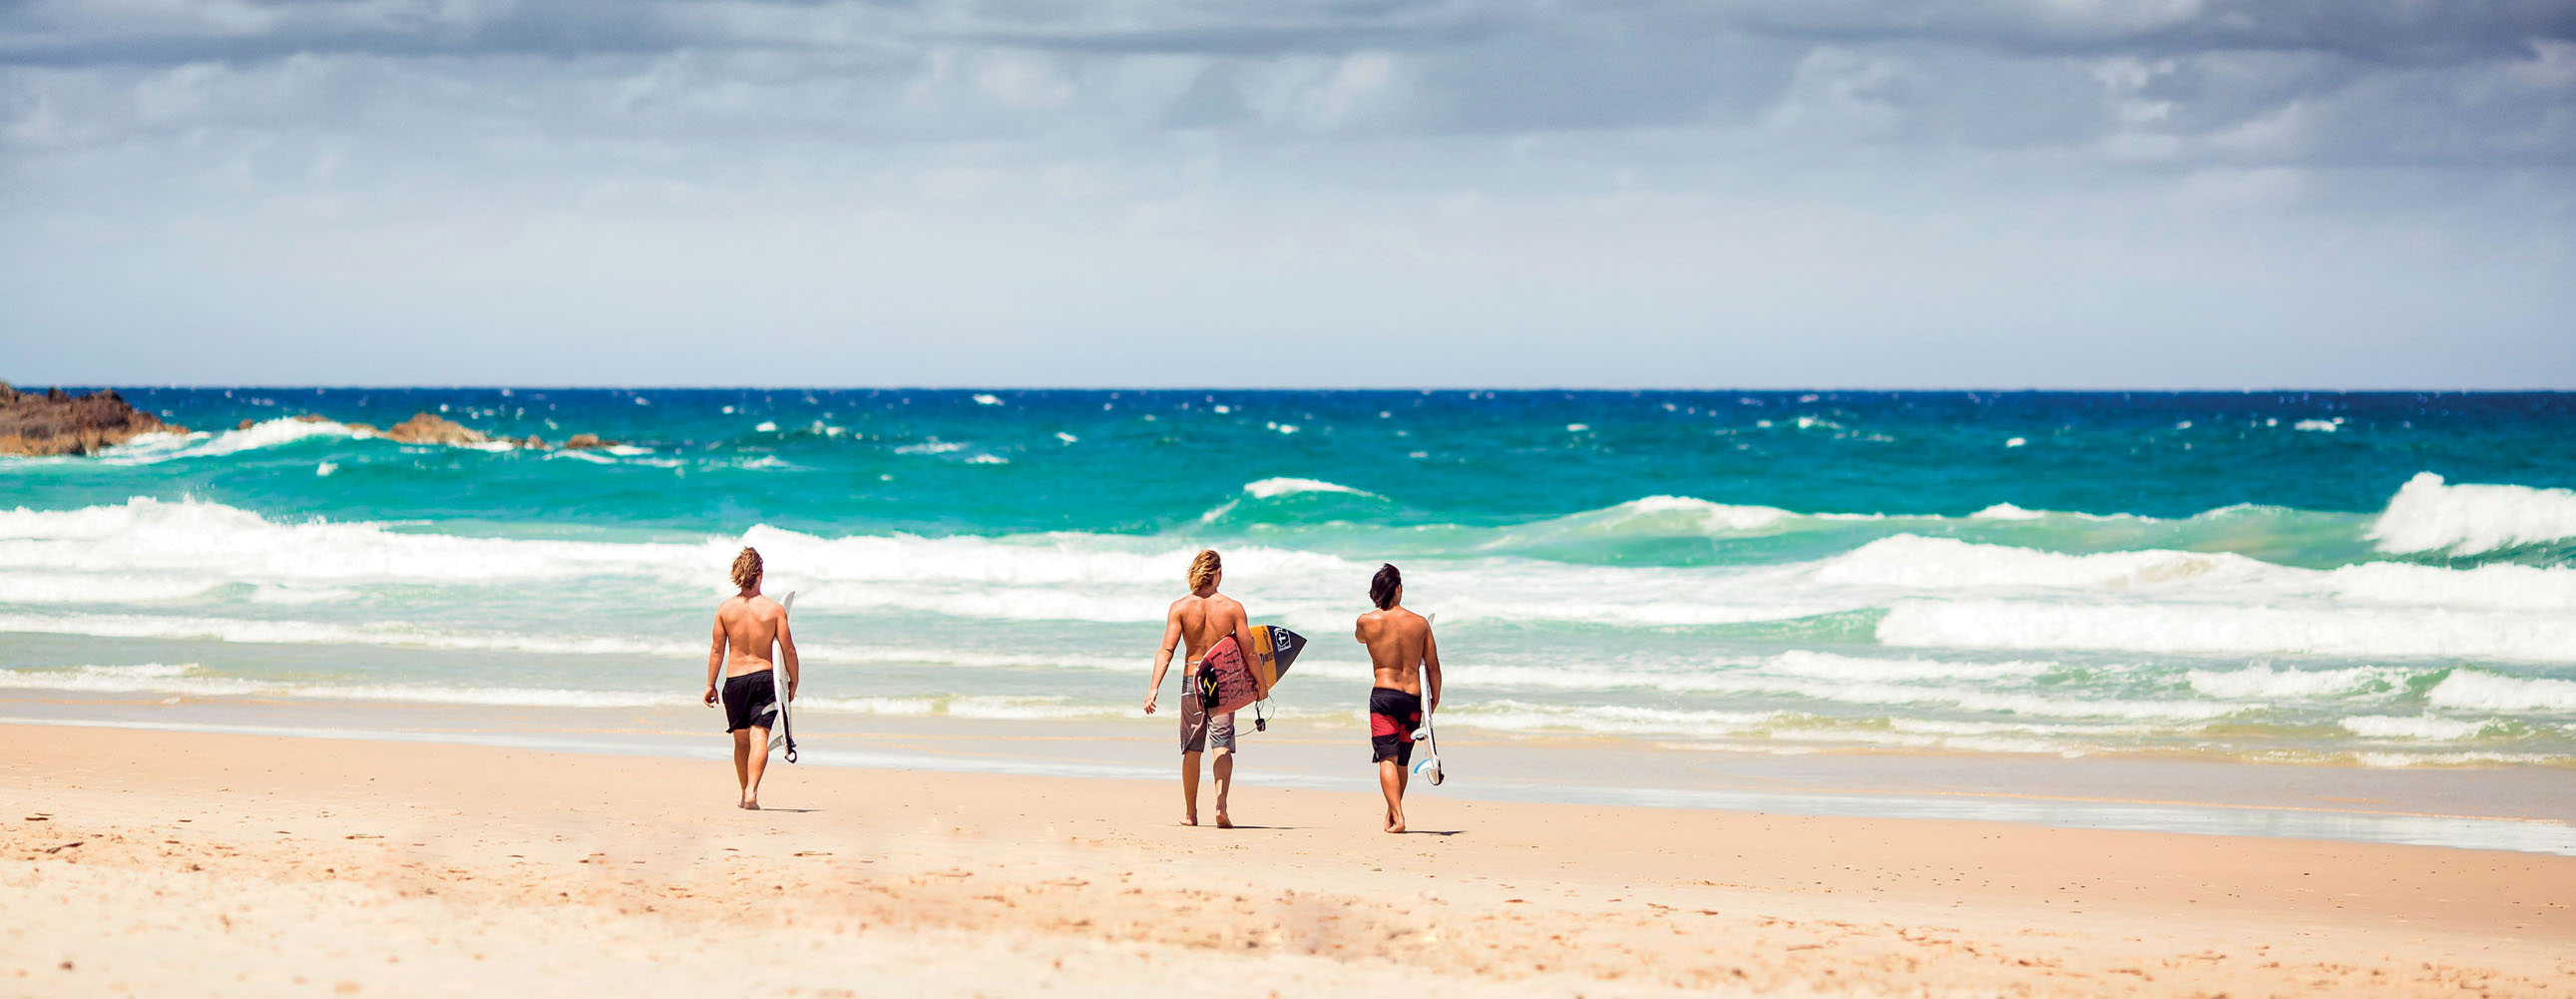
[2218, 629]
[2263, 683]
[2480, 690]
[2428, 515]
[2417, 727]
[1915, 562]
[1275, 488]
[392, 634]
[2500, 586]
[155, 448]
[146, 678]
[63, 588]
[1646, 518]
[1827, 666]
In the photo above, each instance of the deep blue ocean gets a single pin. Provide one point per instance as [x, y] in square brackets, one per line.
[2345, 579]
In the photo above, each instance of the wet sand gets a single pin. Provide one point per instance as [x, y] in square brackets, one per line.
[168, 863]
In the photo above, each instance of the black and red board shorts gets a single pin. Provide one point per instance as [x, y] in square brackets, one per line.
[1393, 715]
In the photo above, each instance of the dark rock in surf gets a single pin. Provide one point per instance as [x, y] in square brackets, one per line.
[423, 428]
[56, 423]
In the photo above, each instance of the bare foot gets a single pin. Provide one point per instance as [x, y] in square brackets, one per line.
[751, 806]
[1396, 826]
[1222, 822]
[1190, 819]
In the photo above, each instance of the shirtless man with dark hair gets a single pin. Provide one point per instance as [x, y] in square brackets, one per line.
[1405, 660]
[746, 624]
[1201, 620]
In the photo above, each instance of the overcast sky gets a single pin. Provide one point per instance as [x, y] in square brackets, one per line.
[2071, 193]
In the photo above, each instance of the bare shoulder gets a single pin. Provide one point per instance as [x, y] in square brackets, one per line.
[1416, 623]
[1187, 602]
[1232, 607]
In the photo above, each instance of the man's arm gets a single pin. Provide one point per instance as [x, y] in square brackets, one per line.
[1430, 667]
[1163, 655]
[1243, 644]
[787, 648]
[715, 661]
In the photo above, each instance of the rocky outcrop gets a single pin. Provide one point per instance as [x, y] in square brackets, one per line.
[55, 423]
[59, 423]
[423, 428]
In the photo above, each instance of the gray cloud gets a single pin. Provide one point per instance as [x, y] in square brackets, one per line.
[1833, 166]
[2177, 80]
[2390, 31]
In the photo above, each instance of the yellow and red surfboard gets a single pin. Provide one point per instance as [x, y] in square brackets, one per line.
[1274, 649]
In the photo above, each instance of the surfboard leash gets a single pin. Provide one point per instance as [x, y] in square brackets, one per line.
[787, 727]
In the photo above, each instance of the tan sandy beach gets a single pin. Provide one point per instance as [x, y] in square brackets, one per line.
[166, 864]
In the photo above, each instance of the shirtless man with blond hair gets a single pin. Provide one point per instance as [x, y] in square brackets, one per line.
[1201, 620]
[1405, 663]
[747, 623]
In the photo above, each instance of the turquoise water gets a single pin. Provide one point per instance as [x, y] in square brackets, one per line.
[2373, 579]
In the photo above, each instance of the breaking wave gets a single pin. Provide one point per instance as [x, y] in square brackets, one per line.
[2428, 514]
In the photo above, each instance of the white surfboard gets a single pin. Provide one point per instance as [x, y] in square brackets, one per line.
[785, 735]
[1428, 767]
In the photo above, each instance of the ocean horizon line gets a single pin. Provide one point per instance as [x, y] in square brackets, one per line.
[1416, 389]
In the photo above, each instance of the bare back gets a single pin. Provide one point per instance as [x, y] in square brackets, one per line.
[1398, 642]
[1204, 621]
[748, 627]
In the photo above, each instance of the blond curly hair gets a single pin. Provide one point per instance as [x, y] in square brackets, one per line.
[746, 569]
[1204, 568]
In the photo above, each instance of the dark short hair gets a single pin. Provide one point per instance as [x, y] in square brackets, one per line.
[1382, 586]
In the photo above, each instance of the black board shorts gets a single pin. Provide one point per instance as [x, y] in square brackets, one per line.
[1393, 715]
[750, 701]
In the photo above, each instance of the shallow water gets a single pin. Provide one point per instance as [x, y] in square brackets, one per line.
[2382, 580]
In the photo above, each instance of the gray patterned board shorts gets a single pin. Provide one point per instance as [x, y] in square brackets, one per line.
[1198, 730]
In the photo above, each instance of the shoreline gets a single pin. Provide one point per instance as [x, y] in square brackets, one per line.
[2504, 809]
[420, 868]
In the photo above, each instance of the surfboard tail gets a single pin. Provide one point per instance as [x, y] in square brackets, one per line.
[1277, 647]
[1265, 657]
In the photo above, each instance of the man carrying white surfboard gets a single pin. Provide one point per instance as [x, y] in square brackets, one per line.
[747, 623]
[1200, 621]
[1405, 660]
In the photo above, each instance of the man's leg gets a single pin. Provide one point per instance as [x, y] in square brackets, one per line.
[1190, 789]
[741, 765]
[756, 753]
[1390, 779]
[1224, 783]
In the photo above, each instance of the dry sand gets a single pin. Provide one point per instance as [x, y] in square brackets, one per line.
[197, 864]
